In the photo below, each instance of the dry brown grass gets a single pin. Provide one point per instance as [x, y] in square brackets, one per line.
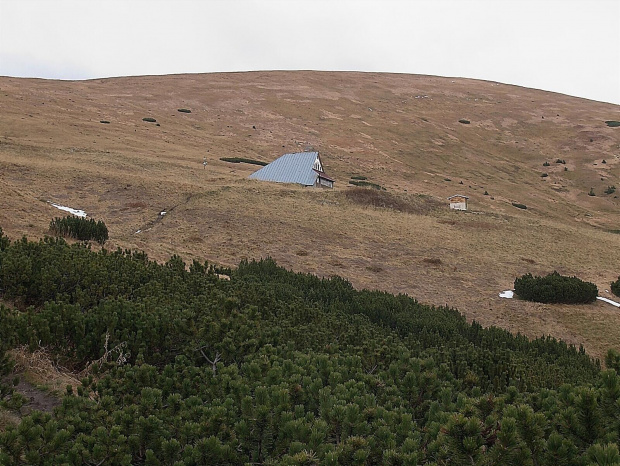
[128, 171]
[39, 368]
[8, 419]
[370, 197]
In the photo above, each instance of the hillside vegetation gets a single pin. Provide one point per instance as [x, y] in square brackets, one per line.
[275, 367]
[399, 132]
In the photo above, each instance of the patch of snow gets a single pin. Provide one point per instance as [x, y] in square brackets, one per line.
[139, 231]
[613, 303]
[76, 212]
[507, 294]
[163, 212]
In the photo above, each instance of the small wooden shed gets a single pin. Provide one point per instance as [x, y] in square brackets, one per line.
[458, 202]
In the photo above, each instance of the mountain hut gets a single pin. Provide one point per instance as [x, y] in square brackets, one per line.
[304, 168]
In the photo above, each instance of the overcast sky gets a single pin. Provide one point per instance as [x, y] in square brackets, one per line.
[566, 46]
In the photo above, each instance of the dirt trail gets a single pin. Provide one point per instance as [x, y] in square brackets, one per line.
[38, 400]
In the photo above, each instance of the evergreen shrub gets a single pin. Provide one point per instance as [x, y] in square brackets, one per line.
[519, 206]
[184, 110]
[80, 228]
[615, 287]
[366, 184]
[555, 288]
[242, 160]
[149, 120]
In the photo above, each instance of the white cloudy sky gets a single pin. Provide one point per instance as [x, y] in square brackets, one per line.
[567, 46]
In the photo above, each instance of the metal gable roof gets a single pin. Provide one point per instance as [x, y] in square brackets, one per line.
[290, 168]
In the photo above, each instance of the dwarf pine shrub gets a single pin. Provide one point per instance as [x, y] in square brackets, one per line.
[242, 160]
[80, 228]
[555, 288]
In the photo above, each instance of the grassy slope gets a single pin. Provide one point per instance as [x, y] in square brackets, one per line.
[53, 148]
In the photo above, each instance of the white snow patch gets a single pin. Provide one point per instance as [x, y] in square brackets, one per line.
[507, 294]
[77, 212]
[163, 212]
[139, 231]
[613, 303]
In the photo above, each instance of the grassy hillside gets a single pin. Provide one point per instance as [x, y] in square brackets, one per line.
[401, 132]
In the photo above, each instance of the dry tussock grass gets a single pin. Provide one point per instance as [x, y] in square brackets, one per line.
[40, 367]
[136, 205]
[420, 205]
[8, 419]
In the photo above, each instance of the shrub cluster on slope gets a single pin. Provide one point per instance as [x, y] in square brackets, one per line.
[274, 367]
[243, 160]
[80, 228]
[615, 287]
[555, 288]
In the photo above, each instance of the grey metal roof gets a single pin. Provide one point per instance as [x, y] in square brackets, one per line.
[290, 168]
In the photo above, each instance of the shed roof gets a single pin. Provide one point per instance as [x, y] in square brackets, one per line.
[458, 195]
[290, 168]
[324, 176]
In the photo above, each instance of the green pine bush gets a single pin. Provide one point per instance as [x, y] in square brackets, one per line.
[368, 184]
[555, 288]
[80, 228]
[243, 160]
